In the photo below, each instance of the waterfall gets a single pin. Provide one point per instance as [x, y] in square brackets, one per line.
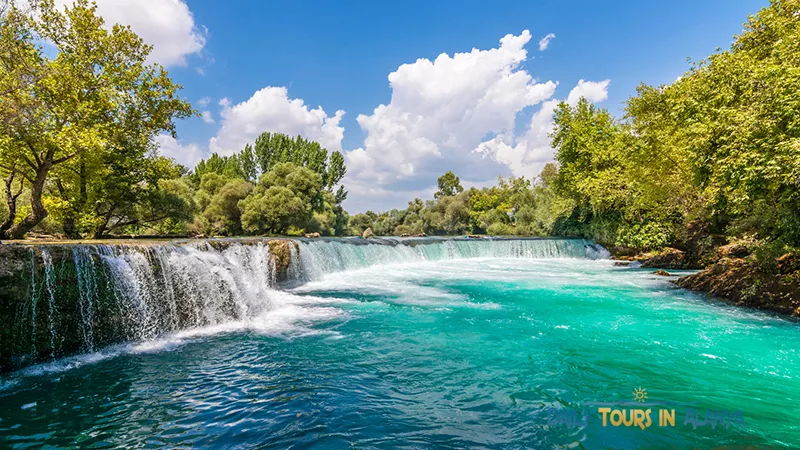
[49, 282]
[34, 297]
[87, 291]
[318, 257]
[162, 288]
[107, 294]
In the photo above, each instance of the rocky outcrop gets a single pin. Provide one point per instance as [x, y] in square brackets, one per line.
[311, 235]
[367, 233]
[623, 253]
[661, 272]
[701, 244]
[741, 282]
[281, 253]
[670, 258]
[734, 250]
[24, 306]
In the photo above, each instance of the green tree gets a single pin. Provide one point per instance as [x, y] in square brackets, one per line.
[360, 222]
[285, 197]
[223, 214]
[239, 165]
[96, 92]
[449, 185]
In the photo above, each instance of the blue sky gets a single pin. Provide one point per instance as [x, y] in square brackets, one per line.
[480, 115]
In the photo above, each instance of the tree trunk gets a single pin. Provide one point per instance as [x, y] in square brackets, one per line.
[11, 201]
[38, 213]
[101, 229]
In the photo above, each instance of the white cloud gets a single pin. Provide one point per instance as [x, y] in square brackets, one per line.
[203, 102]
[526, 155]
[188, 155]
[271, 109]
[545, 41]
[167, 25]
[440, 111]
[594, 91]
[457, 113]
[207, 117]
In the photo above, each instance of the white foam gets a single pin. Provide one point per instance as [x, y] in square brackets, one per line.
[290, 316]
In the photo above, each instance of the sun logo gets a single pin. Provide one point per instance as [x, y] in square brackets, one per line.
[640, 394]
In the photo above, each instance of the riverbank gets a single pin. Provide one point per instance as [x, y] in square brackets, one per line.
[729, 273]
[741, 282]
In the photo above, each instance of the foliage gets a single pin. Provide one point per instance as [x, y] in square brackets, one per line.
[65, 117]
[240, 165]
[506, 209]
[647, 236]
[286, 196]
[276, 148]
[297, 191]
[223, 215]
[720, 145]
[449, 185]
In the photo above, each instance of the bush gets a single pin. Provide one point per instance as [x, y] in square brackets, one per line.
[500, 229]
[767, 253]
[647, 236]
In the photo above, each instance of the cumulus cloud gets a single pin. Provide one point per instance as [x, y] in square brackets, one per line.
[271, 109]
[545, 41]
[203, 102]
[440, 111]
[207, 117]
[594, 91]
[457, 113]
[526, 155]
[167, 25]
[187, 155]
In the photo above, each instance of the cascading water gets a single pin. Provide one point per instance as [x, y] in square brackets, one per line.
[51, 311]
[170, 287]
[34, 297]
[106, 294]
[319, 257]
[87, 289]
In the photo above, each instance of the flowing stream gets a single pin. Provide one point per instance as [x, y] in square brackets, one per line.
[498, 343]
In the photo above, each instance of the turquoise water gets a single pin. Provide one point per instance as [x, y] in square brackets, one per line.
[480, 352]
